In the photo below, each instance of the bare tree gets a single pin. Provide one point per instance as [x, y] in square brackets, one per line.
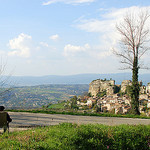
[5, 84]
[133, 45]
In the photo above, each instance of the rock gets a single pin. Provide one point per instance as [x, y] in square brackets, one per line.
[99, 85]
[124, 85]
[148, 88]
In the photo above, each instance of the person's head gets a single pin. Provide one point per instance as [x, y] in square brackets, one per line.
[2, 108]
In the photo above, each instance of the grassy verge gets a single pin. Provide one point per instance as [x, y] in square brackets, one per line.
[69, 136]
[55, 111]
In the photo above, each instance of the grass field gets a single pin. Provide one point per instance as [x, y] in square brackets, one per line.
[57, 106]
[69, 136]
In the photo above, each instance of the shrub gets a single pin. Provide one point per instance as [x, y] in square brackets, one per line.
[69, 136]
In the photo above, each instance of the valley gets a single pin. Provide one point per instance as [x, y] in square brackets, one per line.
[28, 97]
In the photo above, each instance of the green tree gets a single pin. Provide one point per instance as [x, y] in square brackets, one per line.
[133, 45]
[73, 102]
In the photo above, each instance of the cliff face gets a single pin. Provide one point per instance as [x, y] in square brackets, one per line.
[124, 85]
[99, 85]
[148, 88]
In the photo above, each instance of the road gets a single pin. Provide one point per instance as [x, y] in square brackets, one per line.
[23, 119]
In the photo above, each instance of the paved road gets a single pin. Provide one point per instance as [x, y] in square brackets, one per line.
[22, 119]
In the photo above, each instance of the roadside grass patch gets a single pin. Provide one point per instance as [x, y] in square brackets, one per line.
[68, 136]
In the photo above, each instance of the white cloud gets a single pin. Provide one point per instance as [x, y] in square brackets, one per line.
[44, 44]
[108, 20]
[101, 54]
[2, 53]
[20, 46]
[68, 1]
[71, 50]
[106, 25]
[94, 25]
[54, 37]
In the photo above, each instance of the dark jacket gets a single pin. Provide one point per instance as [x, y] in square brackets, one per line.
[8, 118]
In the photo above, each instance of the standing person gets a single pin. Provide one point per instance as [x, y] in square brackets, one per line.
[8, 117]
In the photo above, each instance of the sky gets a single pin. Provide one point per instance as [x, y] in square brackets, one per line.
[62, 37]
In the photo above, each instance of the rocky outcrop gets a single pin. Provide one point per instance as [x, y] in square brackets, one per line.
[148, 88]
[99, 85]
[124, 85]
[110, 90]
[142, 89]
[109, 86]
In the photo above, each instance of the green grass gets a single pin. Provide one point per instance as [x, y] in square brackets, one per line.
[69, 136]
[57, 106]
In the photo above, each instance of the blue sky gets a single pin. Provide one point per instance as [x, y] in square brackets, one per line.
[62, 37]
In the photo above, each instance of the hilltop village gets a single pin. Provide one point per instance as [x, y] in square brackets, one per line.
[105, 96]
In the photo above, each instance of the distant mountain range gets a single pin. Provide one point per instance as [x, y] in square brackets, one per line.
[73, 79]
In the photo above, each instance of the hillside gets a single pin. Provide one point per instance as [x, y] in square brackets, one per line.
[37, 96]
